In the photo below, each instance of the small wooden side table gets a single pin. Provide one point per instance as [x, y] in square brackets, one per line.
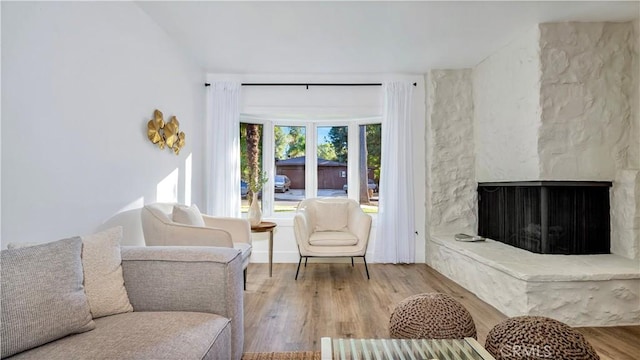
[267, 226]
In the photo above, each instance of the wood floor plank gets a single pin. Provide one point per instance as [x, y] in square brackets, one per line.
[337, 300]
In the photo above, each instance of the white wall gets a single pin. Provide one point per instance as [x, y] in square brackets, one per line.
[506, 96]
[80, 80]
[452, 202]
[326, 102]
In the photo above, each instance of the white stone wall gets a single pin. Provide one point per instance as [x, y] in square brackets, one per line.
[625, 214]
[589, 120]
[634, 149]
[451, 185]
[584, 93]
[506, 95]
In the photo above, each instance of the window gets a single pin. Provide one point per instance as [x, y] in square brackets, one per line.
[290, 143]
[332, 160]
[305, 158]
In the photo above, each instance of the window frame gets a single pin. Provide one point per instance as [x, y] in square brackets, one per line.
[311, 152]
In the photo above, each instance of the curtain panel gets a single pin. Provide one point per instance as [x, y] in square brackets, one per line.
[395, 237]
[222, 158]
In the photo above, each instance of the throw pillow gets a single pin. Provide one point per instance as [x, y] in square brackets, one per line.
[42, 295]
[188, 215]
[331, 216]
[103, 280]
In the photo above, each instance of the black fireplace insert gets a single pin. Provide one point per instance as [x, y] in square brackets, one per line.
[547, 217]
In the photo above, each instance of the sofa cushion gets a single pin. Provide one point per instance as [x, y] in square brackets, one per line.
[43, 297]
[103, 280]
[331, 216]
[145, 335]
[188, 215]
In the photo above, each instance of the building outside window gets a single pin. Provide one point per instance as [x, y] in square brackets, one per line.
[329, 163]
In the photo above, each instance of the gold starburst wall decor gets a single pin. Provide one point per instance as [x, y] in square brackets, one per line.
[169, 134]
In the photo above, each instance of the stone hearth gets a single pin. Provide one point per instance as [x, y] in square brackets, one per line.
[580, 290]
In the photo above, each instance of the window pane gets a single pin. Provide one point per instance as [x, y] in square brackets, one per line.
[332, 161]
[289, 182]
[370, 140]
[250, 161]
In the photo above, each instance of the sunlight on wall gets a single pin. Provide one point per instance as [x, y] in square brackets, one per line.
[129, 218]
[187, 179]
[167, 189]
[135, 204]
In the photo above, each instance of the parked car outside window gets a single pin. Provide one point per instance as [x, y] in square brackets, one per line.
[371, 185]
[282, 183]
[244, 188]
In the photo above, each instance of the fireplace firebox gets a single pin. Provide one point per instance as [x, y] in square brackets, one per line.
[547, 217]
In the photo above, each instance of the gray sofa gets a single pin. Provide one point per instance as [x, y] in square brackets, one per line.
[187, 304]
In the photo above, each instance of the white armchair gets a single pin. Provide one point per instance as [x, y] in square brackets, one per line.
[160, 229]
[331, 227]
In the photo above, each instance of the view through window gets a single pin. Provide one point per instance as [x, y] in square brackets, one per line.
[327, 154]
[290, 167]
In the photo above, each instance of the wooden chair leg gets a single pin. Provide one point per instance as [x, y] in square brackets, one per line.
[305, 261]
[352, 262]
[244, 277]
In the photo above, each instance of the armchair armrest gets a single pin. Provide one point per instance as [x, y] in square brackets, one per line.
[301, 227]
[187, 235]
[198, 279]
[159, 230]
[239, 229]
[360, 224]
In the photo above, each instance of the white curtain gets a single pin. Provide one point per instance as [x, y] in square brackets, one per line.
[222, 158]
[395, 239]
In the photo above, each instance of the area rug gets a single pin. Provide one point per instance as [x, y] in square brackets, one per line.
[299, 355]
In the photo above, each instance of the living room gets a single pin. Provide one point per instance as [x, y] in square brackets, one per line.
[81, 80]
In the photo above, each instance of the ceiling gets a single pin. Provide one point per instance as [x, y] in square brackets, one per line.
[359, 37]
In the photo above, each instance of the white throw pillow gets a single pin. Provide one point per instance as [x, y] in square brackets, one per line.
[103, 280]
[188, 215]
[331, 216]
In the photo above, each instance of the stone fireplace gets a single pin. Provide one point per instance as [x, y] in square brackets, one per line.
[557, 104]
[547, 217]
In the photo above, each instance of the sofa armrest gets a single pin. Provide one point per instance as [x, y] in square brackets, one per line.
[198, 279]
[239, 229]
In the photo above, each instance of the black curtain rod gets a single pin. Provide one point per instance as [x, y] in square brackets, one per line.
[310, 84]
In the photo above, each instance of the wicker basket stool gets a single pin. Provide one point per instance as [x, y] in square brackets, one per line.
[537, 337]
[431, 316]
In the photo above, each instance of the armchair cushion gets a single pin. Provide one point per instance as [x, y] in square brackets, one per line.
[42, 295]
[189, 215]
[331, 216]
[332, 238]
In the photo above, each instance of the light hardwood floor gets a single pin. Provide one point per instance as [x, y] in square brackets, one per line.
[337, 300]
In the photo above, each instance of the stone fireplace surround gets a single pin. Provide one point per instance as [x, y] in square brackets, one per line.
[579, 290]
[559, 102]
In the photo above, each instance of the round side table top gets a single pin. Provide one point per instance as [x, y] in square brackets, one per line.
[264, 226]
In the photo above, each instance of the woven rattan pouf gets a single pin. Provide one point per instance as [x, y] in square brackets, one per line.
[537, 337]
[431, 316]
